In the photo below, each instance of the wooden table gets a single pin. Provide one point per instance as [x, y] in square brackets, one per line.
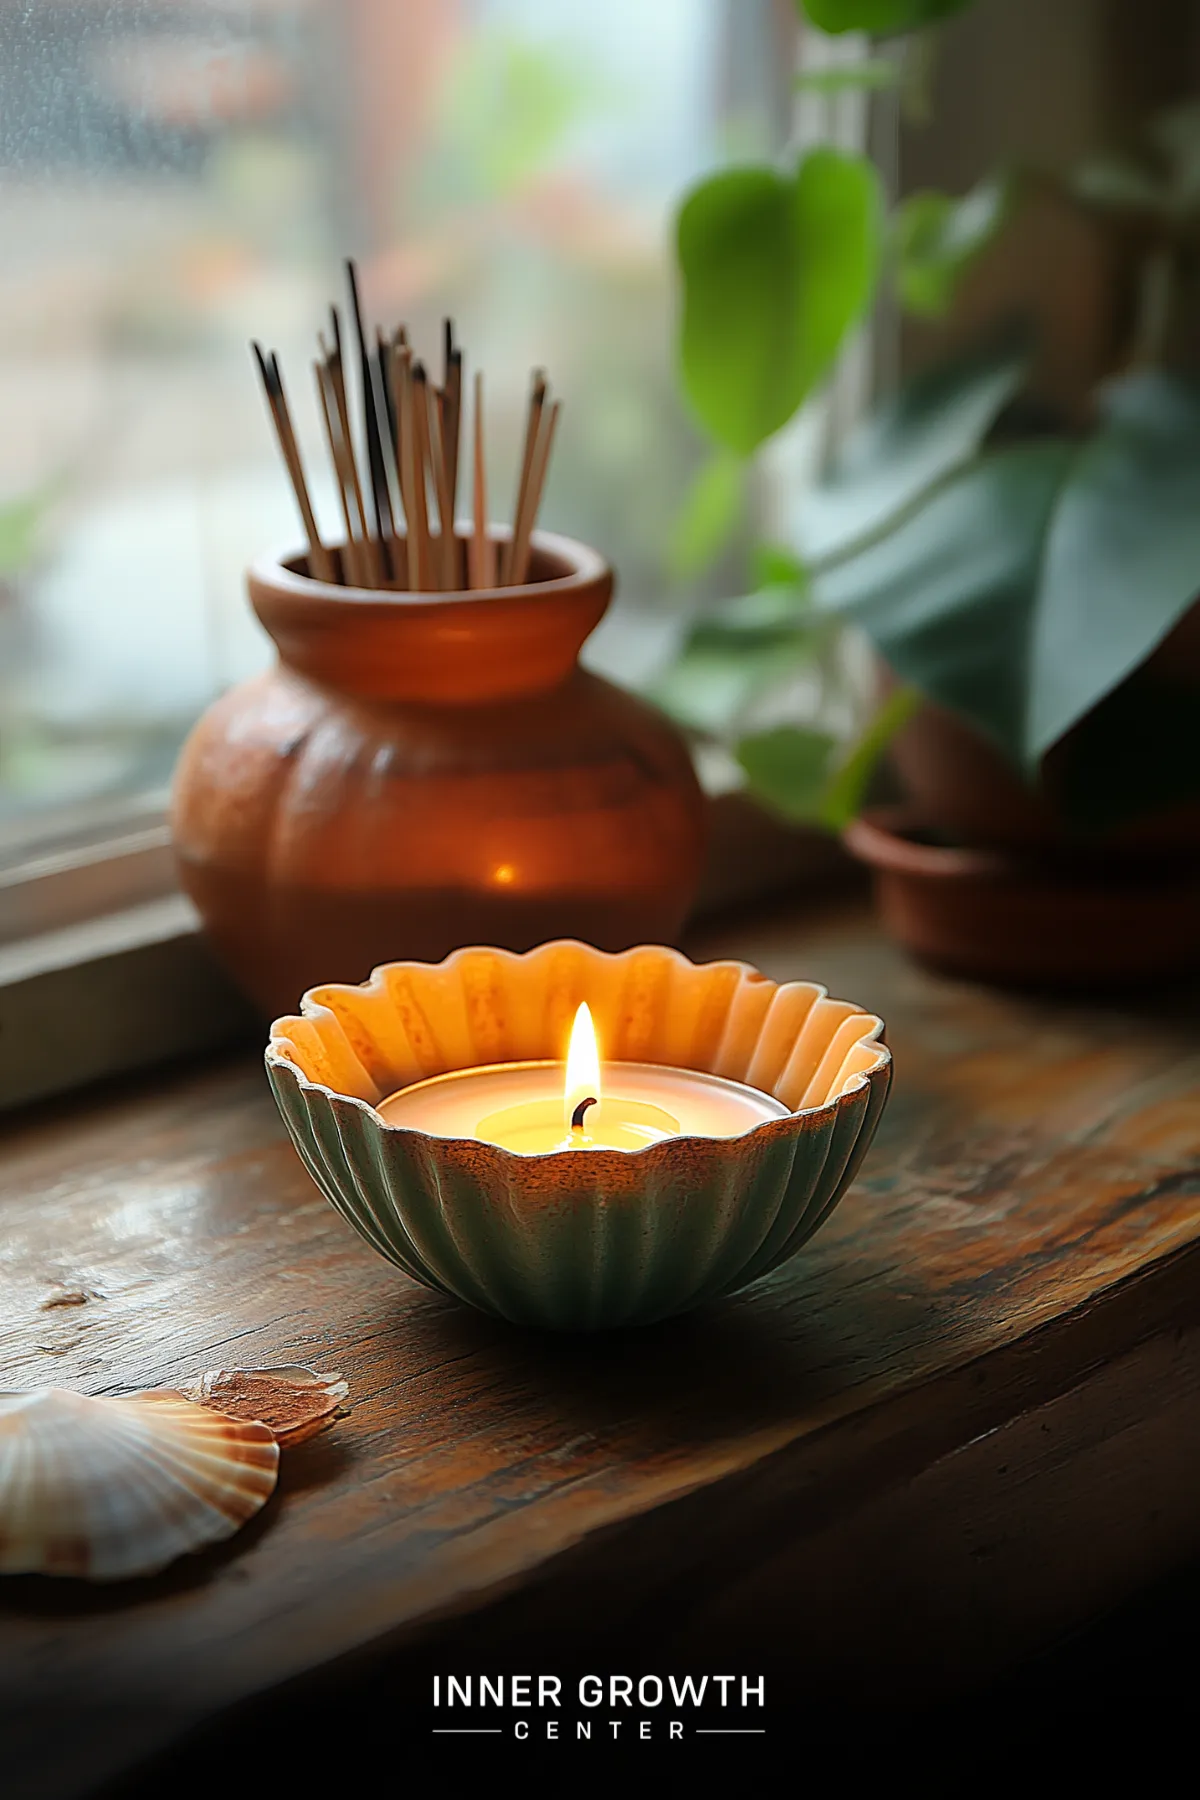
[962, 1420]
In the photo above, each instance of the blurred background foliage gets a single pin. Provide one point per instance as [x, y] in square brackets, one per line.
[1014, 569]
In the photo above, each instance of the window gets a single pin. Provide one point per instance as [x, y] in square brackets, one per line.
[177, 176]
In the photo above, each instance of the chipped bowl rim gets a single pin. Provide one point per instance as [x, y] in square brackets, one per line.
[804, 1118]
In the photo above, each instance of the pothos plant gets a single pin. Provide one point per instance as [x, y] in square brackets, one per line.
[1019, 578]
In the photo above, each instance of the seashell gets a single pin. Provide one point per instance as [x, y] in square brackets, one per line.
[112, 1487]
[595, 1239]
[293, 1403]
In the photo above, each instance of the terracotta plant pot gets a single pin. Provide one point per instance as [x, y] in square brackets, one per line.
[1016, 920]
[981, 873]
[421, 772]
[961, 785]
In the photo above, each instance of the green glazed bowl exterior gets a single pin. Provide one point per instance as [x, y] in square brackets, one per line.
[588, 1239]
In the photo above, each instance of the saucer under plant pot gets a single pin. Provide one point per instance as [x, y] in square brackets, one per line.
[1035, 921]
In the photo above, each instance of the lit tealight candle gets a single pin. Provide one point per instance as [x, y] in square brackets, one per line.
[533, 1107]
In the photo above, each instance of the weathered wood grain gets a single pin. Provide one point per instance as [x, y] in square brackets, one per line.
[964, 1418]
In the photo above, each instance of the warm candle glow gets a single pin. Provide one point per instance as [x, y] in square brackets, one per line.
[534, 1095]
[583, 1068]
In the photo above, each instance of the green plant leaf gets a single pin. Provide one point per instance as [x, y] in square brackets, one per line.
[937, 238]
[707, 690]
[1176, 133]
[1118, 185]
[713, 682]
[1122, 560]
[883, 18]
[1033, 581]
[776, 268]
[709, 516]
[775, 565]
[772, 614]
[737, 651]
[788, 769]
[870, 75]
[847, 786]
[948, 595]
[914, 439]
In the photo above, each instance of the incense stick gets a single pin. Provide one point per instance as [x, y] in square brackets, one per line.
[453, 417]
[440, 469]
[324, 558]
[537, 399]
[384, 351]
[523, 534]
[370, 563]
[419, 409]
[480, 561]
[383, 356]
[379, 510]
[352, 565]
[394, 450]
[405, 450]
[320, 560]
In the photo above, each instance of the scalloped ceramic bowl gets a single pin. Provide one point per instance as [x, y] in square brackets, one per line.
[582, 1239]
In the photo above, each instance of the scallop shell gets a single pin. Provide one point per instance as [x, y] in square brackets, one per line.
[112, 1487]
[596, 1238]
[293, 1403]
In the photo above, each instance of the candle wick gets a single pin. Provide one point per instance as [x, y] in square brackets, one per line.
[577, 1115]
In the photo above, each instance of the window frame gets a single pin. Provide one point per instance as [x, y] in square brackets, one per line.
[103, 964]
[58, 879]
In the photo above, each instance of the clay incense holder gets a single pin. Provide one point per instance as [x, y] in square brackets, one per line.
[421, 771]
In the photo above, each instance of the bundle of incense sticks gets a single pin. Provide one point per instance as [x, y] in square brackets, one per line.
[393, 437]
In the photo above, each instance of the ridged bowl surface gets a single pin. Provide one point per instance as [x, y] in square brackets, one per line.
[589, 1238]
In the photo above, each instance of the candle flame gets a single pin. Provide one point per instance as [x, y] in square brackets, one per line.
[583, 1063]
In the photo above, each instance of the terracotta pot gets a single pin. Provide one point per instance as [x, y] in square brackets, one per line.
[1010, 919]
[422, 772]
[961, 784]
